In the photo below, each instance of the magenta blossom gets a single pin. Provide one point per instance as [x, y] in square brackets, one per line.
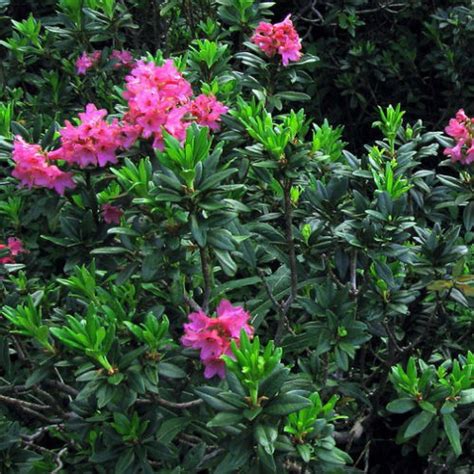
[32, 168]
[212, 336]
[111, 214]
[207, 111]
[94, 141]
[280, 38]
[86, 61]
[15, 247]
[461, 129]
[123, 58]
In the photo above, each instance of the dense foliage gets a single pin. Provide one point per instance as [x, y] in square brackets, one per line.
[222, 249]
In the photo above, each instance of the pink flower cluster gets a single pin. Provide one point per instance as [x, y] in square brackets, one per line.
[212, 336]
[32, 168]
[124, 58]
[87, 60]
[461, 128]
[280, 38]
[159, 99]
[94, 141]
[111, 214]
[15, 247]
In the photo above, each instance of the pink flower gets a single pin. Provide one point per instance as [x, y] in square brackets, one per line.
[111, 214]
[207, 111]
[212, 336]
[457, 129]
[16, 246]
[123, 58]
[32, 168]
[6, 259]
[86, 61]
[461, 129]
[93, 141]
[280, 38]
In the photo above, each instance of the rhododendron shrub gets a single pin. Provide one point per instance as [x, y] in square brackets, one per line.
[200, 273]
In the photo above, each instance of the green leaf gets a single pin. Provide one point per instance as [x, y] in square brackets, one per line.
[124, 462]
[170, 428]
[304, 451]
[171, 371]
[109, 251]
[266, 435]
[428, 439]
[287, 403]
[198, 233]
[401, 405]
[467, 396]
[468, 216]
[452, 432]
[224, 419]
[418, 423]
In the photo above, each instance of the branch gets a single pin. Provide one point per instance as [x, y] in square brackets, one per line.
[63, 387]
[291, 247]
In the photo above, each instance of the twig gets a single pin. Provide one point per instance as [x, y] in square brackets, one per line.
[364, 454]
[59, 461]
[57, 456]
[41, 431]
[19, 349]
[23, 404]
[191, 303]
[207, 277]
[393, 343]
[169, 404]
[261, 274]
[331, 273]
[209, 456]
[353, 270]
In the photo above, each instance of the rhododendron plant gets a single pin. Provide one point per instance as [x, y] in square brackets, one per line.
[280, 38]
[213, 336]
[349, 247]
[32, 168]
[461, 129]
